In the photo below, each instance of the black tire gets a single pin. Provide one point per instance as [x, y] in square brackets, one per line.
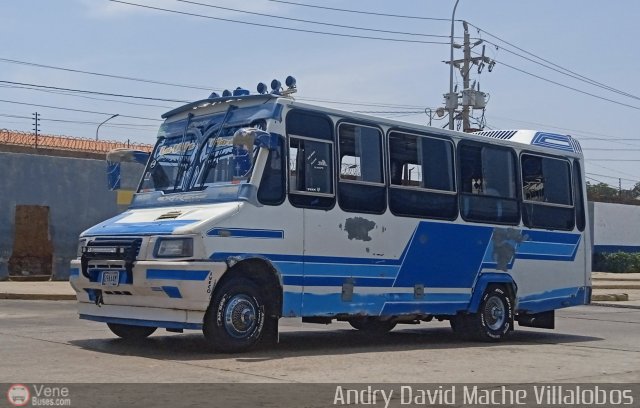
[494, 318]
[235, 320]
[372, 325]
[129, 332]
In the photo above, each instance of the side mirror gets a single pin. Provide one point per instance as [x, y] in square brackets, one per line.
[254, 136]
[115, 158]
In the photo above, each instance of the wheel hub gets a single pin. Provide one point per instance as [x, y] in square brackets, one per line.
[494, 313]
[239, 316]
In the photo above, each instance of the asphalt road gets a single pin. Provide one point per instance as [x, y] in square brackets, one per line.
[44, 341]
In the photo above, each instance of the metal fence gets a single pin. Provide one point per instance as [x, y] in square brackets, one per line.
[12, 137]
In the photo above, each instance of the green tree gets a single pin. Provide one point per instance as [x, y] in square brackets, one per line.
[601, 192]
[635, 191]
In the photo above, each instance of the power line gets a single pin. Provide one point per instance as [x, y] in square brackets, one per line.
[617, 171]
[353, 103]
[573, 73]
[96, 92]
[612, 177]
[121, 125]
[608, 149]
[599, 181]
[85, 96]
[356, 103]
[74, 110]
[360, 11]
[36, 87]
[616, 159]
[566, 86]
[149, 81]
[313, 22]
[568, 73]
[278, 27]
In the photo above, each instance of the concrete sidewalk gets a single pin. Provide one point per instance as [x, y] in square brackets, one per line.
[616, 289]
[609, 289]
[58, 290]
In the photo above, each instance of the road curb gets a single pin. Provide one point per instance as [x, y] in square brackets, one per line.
[610, 297]
[620, 306]
[616, 286]
[36, 296]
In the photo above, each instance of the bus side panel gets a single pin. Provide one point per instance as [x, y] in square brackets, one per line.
[435, 269]
[553, 276]
[390, 266]
[272, 233]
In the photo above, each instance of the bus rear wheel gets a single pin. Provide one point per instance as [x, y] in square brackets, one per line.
[372, 325]
[129, 332]
[494, 319]
[235, 320]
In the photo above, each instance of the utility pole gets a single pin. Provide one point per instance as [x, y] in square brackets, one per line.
[36, 126]
[472, 98]
[620, 189]
[466, 46]
[451, 98]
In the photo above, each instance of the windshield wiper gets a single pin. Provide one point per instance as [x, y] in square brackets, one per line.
[182, 165]
[211, 163]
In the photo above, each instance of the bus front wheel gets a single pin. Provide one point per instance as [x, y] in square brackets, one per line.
[129, 332]
[235, 319]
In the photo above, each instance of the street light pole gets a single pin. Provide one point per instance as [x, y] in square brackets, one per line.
[105, 121]
[452, 111]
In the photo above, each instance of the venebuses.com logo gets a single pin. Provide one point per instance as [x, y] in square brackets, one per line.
[18, 395]
[38, 395]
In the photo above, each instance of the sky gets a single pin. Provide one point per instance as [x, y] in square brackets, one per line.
[590, 91]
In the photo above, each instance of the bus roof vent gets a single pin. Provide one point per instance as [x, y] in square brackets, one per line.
[497, 134]
[170, 215]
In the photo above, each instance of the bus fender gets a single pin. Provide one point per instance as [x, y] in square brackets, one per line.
[483, 282]
[233, 260]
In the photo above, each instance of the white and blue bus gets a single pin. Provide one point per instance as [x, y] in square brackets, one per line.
[256, 207]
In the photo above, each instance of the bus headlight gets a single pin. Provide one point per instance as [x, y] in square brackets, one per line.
[174, 248]
[81, 245]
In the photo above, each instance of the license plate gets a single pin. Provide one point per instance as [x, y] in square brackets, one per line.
[110, 278]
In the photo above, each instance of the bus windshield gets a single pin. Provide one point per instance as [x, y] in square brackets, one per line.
[168, 163]
[220, 161]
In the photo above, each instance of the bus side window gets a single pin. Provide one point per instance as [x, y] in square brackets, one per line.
[579, 196]
[310, 150]
[272, 185]
[488, 179]
[546, 192]
[361, 183]
[422, 182]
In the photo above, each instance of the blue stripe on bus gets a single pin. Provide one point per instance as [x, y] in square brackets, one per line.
[177, 274]
[74, 272]
[331, 304]
[423, 249]
[172, 292]
[616, 248]
[246, 233]
[438, 255]
[548, 139]
[336, 281]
